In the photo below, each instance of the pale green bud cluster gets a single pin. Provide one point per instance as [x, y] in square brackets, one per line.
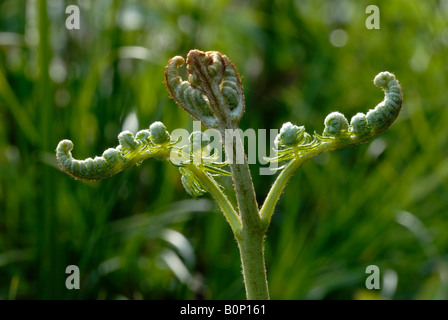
[191, 183]
[158, 133]
[127, 141]
[360, 125]
[290, 135]
[335, 124]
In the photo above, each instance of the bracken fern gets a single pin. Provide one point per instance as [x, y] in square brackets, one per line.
[213, 94]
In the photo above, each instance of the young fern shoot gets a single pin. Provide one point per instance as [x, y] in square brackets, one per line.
[297, 146]
[131, 150]
[213, 94]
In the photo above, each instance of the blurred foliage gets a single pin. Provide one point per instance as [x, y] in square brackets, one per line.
[138, 235]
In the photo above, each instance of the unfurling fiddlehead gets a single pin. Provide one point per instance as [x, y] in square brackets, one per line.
[294, 142]
[377, 120]
[297, 146]
[213, 93]
[131, 150]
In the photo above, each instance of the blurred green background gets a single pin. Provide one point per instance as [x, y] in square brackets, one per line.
[138, 235]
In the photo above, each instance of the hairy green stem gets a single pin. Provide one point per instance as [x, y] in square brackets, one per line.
[249, 236]
[251, 248]
[251, 240]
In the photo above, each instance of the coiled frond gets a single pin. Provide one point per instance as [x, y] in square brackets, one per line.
[294, 142]
[335, 124]
[213, 93]
[131, 150]
[191, 183]
[186, 96]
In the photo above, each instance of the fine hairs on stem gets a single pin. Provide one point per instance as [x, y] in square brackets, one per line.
[213, 94]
